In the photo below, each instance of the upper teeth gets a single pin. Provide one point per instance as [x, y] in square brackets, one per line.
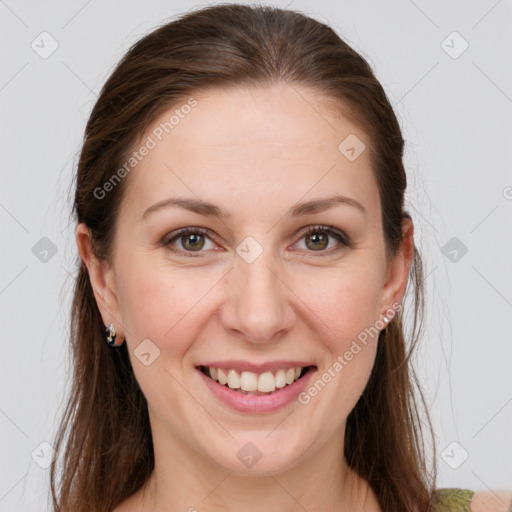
[249, 381]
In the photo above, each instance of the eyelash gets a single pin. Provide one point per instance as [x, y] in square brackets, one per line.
[329, 230]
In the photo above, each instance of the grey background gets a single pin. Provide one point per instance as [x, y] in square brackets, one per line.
[456, 118]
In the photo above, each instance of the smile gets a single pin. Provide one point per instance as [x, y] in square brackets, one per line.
[256, 393]
[253, 383]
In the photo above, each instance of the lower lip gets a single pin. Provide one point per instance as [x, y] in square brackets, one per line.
[257, 404]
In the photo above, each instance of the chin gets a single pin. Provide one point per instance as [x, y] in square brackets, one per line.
[260, 453]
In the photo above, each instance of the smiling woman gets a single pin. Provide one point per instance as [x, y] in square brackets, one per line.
[250, 264]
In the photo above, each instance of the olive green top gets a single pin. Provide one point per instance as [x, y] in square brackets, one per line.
[454, 500]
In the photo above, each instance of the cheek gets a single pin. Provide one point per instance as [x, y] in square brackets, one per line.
[345, 302]
[347, 307]
[159, 303]
[345, 299]
[148, 304]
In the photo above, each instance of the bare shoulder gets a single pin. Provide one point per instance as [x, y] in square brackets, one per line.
[491, 501]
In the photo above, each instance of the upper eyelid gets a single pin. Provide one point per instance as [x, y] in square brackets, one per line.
[193, 229]
[345, 239]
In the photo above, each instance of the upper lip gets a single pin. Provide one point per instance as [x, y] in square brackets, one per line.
[271, 366]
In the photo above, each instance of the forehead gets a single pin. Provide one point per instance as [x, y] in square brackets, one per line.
[283, 141]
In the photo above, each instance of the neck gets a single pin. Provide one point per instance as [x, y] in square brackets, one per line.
[185, 480]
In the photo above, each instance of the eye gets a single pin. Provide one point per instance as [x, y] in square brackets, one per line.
[194, 240]
[190, 239]
[317, 239]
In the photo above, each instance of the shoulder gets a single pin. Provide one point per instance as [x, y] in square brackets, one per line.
[466, 500]
[491, 501]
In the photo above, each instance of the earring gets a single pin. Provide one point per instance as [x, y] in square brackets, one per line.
[110, 335]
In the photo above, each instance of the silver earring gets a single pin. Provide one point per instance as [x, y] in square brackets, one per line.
[110, 335]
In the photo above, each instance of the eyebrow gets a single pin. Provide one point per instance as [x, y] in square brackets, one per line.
[210, 210]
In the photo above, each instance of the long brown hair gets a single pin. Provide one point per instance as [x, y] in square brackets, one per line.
[104, 438]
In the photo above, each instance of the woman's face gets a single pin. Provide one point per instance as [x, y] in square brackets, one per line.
[253, 288]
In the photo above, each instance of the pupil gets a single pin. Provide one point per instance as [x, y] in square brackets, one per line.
[192, 240]
[317, 240]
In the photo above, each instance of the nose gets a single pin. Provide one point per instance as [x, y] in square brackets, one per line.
[258, 307]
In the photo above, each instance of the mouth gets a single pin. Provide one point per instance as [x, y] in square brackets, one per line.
[257, 383]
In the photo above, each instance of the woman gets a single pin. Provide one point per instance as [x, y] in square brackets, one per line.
[244, 254]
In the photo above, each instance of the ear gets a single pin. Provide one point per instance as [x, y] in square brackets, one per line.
[397, 273]
[101, 276]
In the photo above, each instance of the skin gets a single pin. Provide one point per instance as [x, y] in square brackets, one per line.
[255, 152]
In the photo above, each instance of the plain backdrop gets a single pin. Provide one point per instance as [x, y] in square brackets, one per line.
[446, 67]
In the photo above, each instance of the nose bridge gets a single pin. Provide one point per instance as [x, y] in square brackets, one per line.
[258, 305]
